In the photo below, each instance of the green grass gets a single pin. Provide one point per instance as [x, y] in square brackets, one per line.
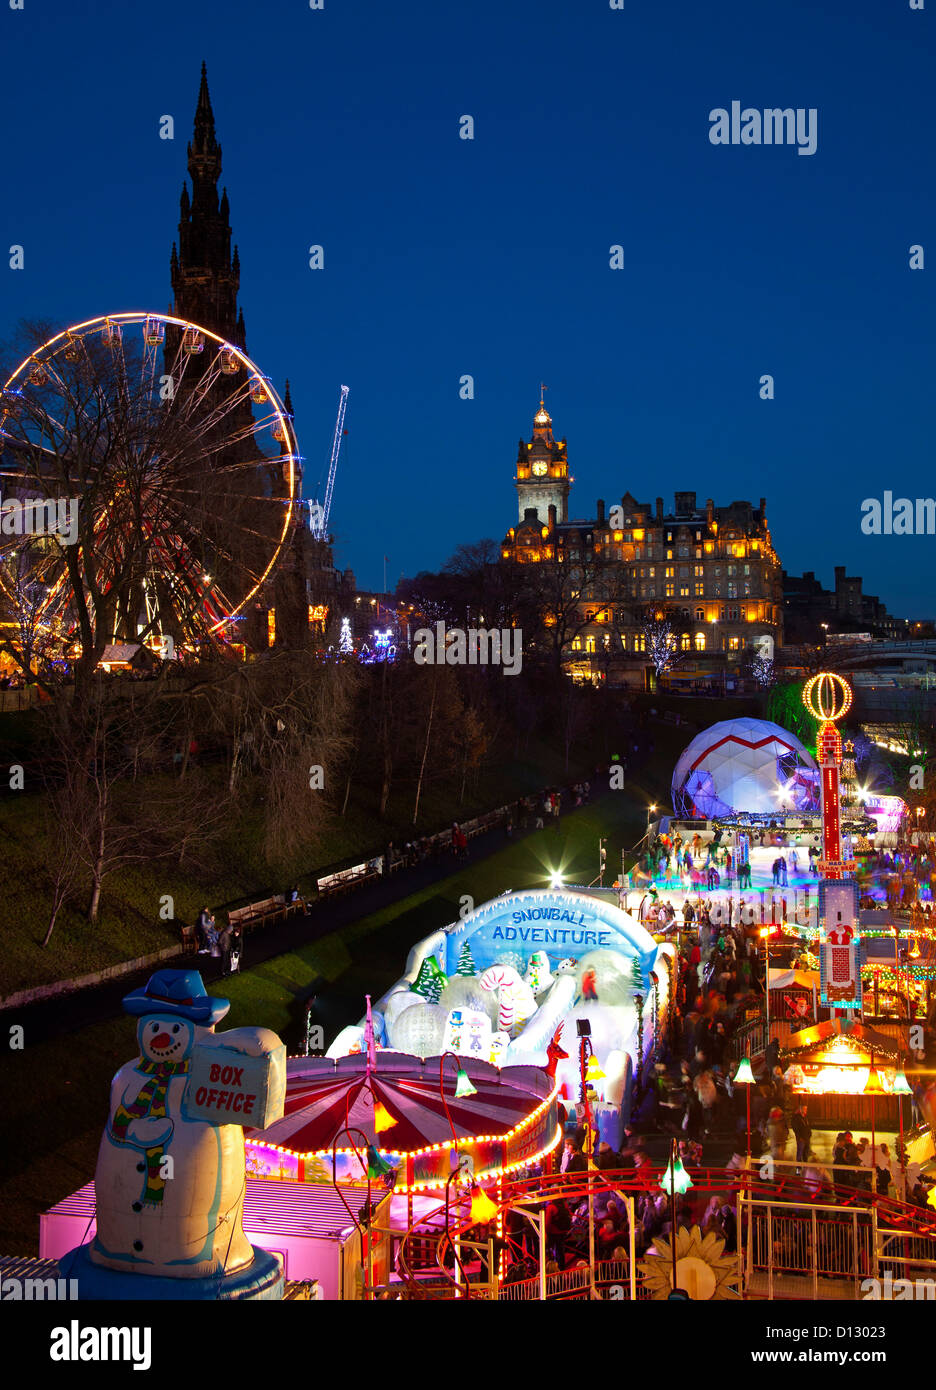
[130, 923]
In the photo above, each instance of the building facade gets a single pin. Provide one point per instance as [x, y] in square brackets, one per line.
[812, 613]
[710, 573]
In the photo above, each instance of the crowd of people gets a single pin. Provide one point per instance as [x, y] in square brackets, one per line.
[692, 1098]
[222, 943]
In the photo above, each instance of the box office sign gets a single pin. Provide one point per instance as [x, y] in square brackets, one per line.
[229, 1087]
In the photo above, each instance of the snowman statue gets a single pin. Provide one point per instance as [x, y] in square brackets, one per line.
[170, 1177]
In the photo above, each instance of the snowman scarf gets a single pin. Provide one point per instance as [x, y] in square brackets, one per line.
[150, 1103]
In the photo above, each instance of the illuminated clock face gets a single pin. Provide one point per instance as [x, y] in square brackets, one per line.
[539, 469]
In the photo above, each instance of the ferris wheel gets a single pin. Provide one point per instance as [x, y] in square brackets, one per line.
[182, 466]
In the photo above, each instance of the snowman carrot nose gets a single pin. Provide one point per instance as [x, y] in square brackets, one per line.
[161, 1040]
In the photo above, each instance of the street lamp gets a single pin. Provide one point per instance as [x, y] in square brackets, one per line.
[873, 1087]
[674, 1180]
[902, 1088]
[744, 1076]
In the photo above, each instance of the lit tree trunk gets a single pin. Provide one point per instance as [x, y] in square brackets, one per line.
[425, 754]
[97, 876]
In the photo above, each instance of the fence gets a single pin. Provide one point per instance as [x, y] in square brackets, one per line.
[788, 1251]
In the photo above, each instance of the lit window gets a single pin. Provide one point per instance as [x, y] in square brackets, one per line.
[700, 641]
[685, 642]
[589, 644]
[671, 590]
[700, 589]
[734, 643]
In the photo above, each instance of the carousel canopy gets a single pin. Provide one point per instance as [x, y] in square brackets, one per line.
[326, 1095]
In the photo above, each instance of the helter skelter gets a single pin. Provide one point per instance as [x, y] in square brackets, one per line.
[186, 469]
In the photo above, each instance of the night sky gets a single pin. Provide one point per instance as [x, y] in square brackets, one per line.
[491, 257]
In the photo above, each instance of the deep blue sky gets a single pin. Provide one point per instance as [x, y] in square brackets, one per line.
[490, 257]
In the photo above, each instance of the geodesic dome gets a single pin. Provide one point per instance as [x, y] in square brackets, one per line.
[744, 765]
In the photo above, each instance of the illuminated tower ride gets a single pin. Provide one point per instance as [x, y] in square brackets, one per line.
[828, 698]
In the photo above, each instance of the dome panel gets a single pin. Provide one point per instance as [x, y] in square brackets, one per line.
[744, 764]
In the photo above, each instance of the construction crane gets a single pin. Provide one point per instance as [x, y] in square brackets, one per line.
[319, 511]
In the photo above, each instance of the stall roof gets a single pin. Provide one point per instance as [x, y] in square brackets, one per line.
[272, 1208]
[790, 979]
[815, 1037]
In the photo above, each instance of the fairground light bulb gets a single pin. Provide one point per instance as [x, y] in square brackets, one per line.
[463, 1086]
[675, 1179]
[483, 1209]
[744, 1074]
[593, 1070]
[383, 1120]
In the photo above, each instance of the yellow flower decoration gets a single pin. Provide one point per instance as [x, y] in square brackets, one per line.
[703, 1269]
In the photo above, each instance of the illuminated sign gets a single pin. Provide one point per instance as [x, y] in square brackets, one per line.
[839, 951]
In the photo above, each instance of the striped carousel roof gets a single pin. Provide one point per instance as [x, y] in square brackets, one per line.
[324, 1095]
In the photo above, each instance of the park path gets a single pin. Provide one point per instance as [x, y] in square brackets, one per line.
[66, 1014]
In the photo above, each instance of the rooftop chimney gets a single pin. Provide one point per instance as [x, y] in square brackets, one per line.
[601, 516]
[659, 509]
[552, 516]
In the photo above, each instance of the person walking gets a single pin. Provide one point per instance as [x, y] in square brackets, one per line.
[801, 1132]
[203, 924]
[777, 1132]
[225, 942]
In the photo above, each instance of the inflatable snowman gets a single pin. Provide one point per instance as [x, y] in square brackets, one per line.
[170, 1177]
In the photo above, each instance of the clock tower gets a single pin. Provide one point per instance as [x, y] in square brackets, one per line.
[542, 477]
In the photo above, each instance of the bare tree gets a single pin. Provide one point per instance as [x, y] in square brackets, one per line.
[107, 819]
[661, 638]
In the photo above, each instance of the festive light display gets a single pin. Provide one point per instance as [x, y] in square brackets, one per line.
[827, 697]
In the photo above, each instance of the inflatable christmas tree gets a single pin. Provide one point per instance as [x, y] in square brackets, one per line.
[430, 981]
[466, 965]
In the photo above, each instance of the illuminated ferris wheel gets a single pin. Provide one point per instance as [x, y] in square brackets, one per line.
[182, 469]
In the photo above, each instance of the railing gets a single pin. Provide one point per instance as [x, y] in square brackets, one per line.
[750, 1040]
[612, 1281]
[803, 1247]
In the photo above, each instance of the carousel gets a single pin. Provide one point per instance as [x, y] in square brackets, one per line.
[407, 1120]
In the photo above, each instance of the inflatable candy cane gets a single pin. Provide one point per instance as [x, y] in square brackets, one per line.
[515, 1001]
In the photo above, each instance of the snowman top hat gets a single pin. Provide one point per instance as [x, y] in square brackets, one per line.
[180, 992]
